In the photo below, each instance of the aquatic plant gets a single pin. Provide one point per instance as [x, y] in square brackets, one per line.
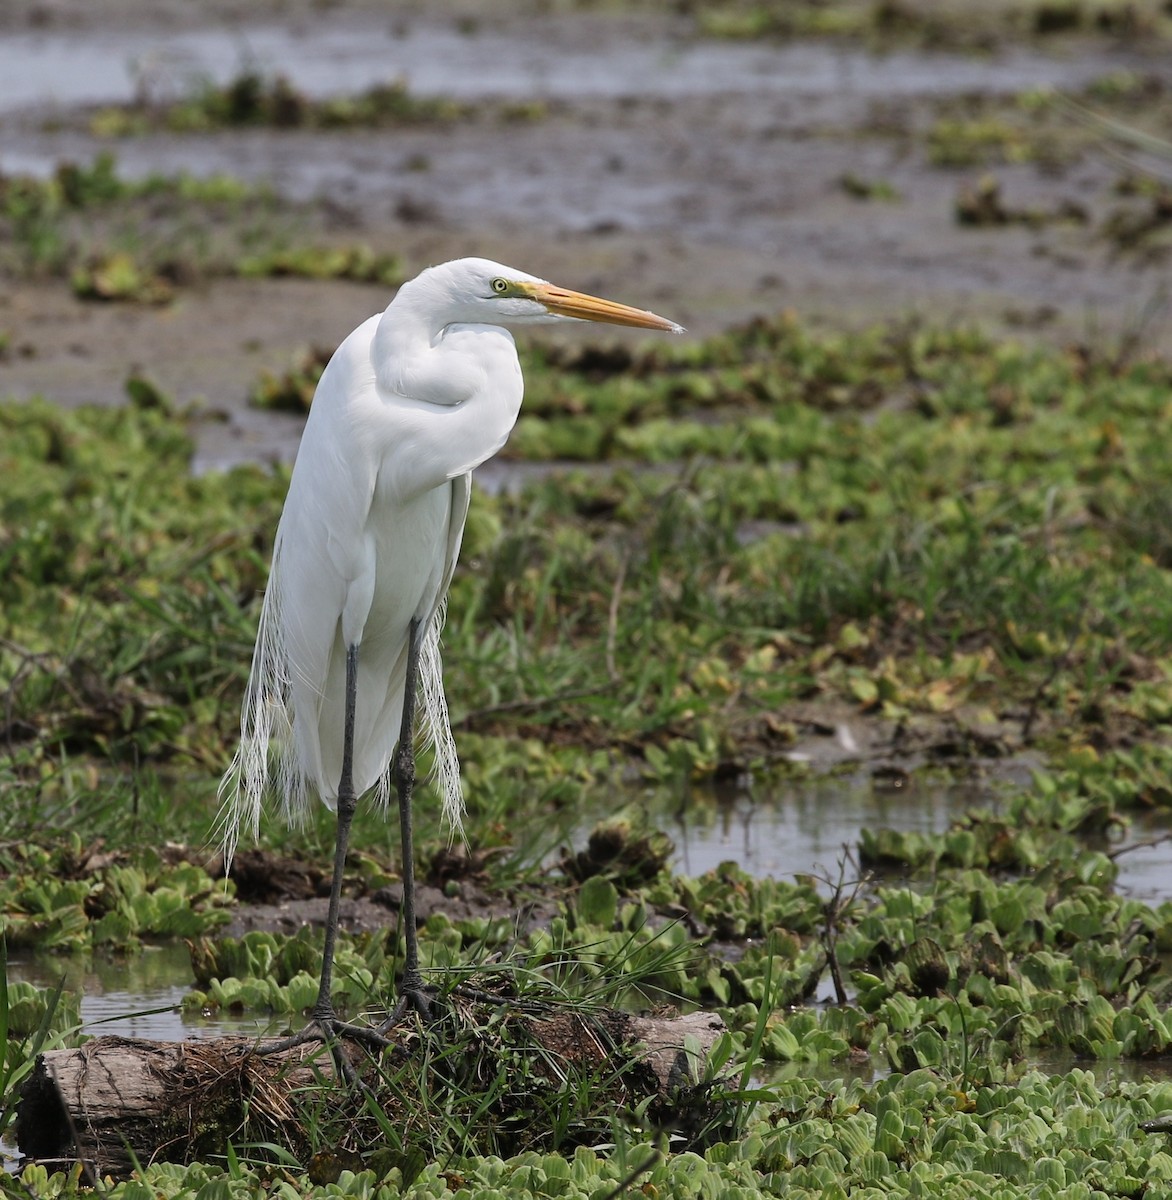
[252, 98]
[959, 540]
[125, 240]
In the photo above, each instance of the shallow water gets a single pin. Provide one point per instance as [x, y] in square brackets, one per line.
[811, 825]
[135, 996]
[804, 828]
[810, 828]
[339, 54]
[759, 86]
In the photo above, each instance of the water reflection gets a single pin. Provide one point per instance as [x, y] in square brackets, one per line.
[811, 826]
[808, 826]
[134, 996]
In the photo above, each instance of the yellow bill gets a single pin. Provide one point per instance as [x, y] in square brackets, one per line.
[566, 303]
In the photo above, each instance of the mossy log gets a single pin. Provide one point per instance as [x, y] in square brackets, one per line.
[116, 1101]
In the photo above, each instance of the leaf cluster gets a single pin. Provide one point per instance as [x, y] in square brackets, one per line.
[59, 897]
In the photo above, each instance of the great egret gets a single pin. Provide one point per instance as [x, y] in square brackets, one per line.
[410, 404]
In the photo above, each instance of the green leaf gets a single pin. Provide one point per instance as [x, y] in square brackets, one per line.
[598, 901]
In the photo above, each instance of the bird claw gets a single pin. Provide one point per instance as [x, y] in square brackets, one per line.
[330, 1030]
[418, 999]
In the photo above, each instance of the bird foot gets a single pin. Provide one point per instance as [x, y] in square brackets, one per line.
[331, 1031]
[412, 998]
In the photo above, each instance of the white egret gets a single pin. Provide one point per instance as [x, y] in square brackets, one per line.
[410, 404]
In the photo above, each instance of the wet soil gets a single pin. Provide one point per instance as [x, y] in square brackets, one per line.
[703, 179]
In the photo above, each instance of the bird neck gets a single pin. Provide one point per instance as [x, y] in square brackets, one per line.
[455, 393]
[413, 357]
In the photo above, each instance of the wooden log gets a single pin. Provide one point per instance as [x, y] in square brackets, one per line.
[116, 1101]
[119, 1101]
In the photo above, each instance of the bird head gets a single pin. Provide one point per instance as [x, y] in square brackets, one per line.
[480, 291]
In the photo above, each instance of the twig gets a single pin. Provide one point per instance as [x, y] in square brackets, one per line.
[839, 901]
[612, 618]
[1146, 845]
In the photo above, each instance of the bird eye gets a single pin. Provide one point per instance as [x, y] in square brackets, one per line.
[500, 286]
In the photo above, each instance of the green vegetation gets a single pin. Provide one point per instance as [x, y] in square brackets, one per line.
[867, 189]
[935, 23]
[921, 523]
[115, 239]
[32, 1020]
[963, 539]
[1044, 126]
[292, 391]
[56, 898]
[1122, 115]
[252, 99]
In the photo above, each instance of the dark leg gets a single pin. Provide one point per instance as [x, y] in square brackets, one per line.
[412, 992]
[323, 1010]
[324, 1023]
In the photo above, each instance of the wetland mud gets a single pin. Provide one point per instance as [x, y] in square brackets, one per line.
[705, 178]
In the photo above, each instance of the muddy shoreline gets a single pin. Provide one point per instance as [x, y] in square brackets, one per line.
[707, 183]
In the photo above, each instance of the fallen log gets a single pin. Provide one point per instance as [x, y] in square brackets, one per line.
[116, 1101]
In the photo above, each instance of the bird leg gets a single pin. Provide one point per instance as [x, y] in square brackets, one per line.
[323, 1010]
[324, 1024]
[412, 992]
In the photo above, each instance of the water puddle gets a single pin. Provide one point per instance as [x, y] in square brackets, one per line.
[134, 996]
[1145, 871]
[811, 826]
[619, 167]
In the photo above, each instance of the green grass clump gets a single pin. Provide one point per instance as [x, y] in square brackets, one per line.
[252, 99]
[121, 240]
[357, 263]
[292, 391]
[933, 23]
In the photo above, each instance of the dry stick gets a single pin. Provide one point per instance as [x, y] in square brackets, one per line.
[1144, 845]
[830, 942]
[612, 618]
[832, 911]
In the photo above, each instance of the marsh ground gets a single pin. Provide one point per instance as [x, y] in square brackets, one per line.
[791, 542]
[713, 179]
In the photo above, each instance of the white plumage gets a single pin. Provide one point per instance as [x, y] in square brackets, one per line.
[410, 404]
